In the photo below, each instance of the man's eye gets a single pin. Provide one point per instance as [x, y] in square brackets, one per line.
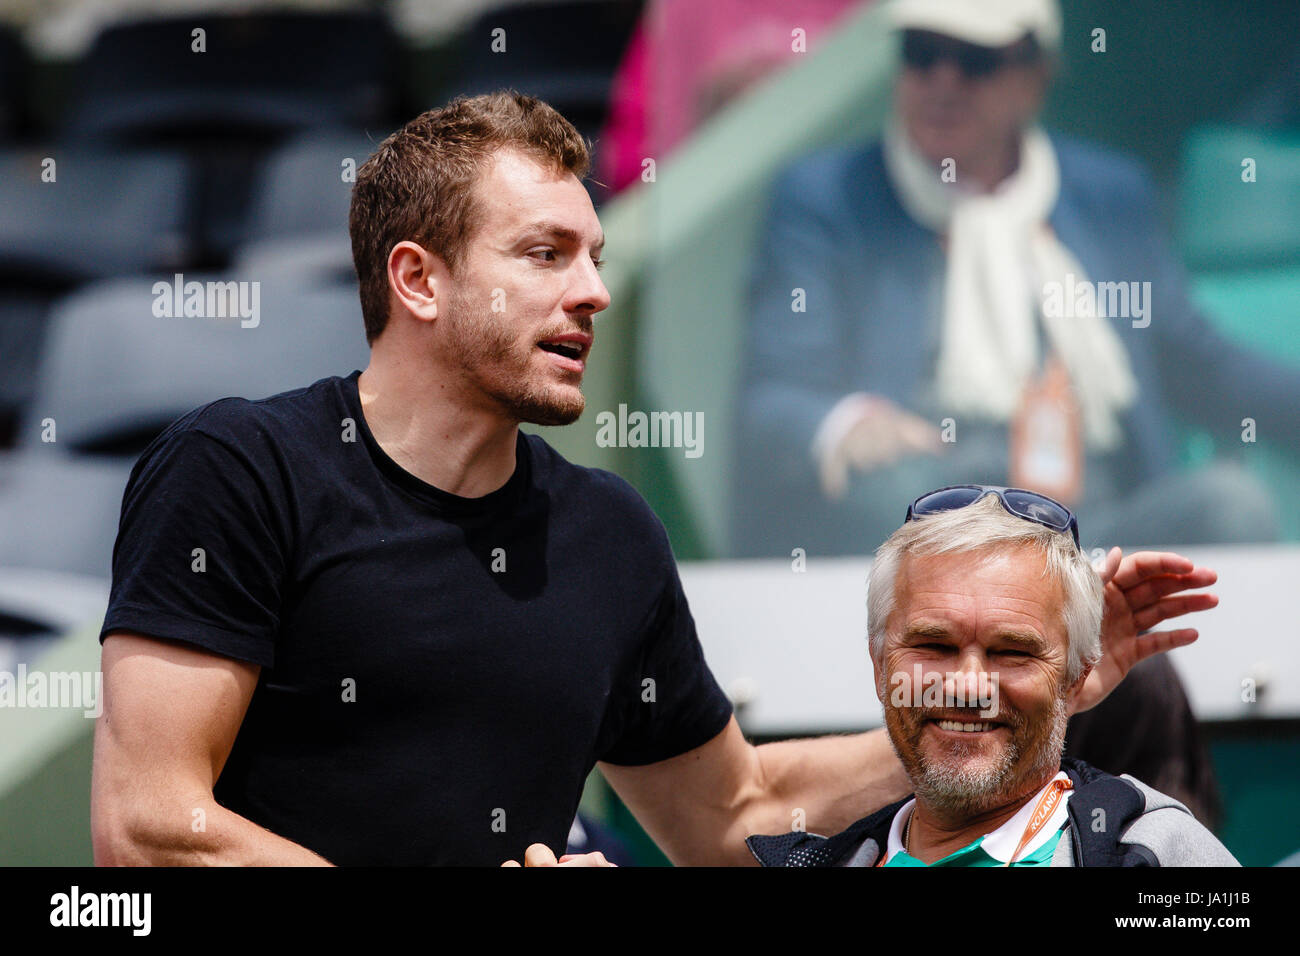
[598, 263]
[543, 252]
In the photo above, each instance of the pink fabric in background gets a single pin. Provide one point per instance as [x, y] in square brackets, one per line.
[688, 58]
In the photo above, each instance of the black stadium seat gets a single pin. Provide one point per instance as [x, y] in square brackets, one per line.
[264, 72]
[262, 78]
[13, 85]
[115, 373]
[104, 213]
[565, 53]
[301, 190]
[298, 217]
[60, 512]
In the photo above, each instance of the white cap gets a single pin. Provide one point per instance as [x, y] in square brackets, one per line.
[990, 23]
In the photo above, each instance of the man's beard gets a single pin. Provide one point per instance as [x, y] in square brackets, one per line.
[484, 351]
[961, 782]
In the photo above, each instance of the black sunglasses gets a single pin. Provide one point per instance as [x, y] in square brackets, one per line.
[1029, 505]
[922, 50]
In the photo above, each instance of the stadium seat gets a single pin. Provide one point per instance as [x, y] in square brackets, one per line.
[326, 257]
[115, 373]
[298, 221]
[302, 189]
[13, 84]
[68, 215]
[144, 80]
[38, 607]
[565, 53]
[22, 334]
[60, 512]
[262, 78]
[1257, 307]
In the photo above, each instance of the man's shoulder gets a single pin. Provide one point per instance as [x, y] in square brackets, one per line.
[825, 176]
[596, 489]
[1121, 821]
[249, 425]
[1100, 171]
[1173, 833]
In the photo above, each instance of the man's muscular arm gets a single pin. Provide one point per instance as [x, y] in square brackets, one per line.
[701, 805]
[171, 713]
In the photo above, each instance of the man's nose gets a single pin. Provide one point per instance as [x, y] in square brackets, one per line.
[962, 683]
[944, 75]
[588, 292]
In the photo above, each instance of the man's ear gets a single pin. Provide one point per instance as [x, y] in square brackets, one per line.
[1074, 690]
[414, 276]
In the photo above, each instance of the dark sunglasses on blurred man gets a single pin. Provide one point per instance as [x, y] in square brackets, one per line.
[922, 50]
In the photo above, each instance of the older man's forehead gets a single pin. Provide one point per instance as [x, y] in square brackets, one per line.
[1008, 590]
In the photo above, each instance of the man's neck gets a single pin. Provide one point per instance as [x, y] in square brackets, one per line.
[934, 833]
[424, 425]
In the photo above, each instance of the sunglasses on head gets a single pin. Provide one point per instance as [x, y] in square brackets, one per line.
[1029, 505]
[922, 50]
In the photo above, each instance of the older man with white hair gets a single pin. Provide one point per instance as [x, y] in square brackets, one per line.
[984, 620]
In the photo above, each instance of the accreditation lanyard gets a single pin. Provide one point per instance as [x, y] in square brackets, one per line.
[1047, 805]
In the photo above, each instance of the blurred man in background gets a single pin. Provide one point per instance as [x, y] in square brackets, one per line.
[984, 302]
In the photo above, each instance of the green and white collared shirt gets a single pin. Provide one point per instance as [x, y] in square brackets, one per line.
[995, 847]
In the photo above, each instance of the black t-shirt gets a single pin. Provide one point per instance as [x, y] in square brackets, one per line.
[439, 674]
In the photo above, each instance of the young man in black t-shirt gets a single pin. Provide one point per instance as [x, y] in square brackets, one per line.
[369, 621]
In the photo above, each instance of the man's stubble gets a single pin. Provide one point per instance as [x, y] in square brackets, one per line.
[958, 786]
[501, 367]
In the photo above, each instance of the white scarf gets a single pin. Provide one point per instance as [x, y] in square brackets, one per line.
[1001, 253]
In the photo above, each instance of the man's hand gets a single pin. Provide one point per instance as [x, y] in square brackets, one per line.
[875, 432]
[539, 854]
[1141, 591]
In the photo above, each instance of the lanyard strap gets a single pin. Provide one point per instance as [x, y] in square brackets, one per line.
[1047, 805]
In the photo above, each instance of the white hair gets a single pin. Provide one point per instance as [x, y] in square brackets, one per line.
[980, 527]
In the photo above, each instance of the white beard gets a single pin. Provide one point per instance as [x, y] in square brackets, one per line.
[960, 786]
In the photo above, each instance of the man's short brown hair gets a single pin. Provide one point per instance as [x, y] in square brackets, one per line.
[419, 184]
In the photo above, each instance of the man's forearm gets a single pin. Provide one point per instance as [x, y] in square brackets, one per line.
[213, 837]
[701, 805]
[823, 784]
